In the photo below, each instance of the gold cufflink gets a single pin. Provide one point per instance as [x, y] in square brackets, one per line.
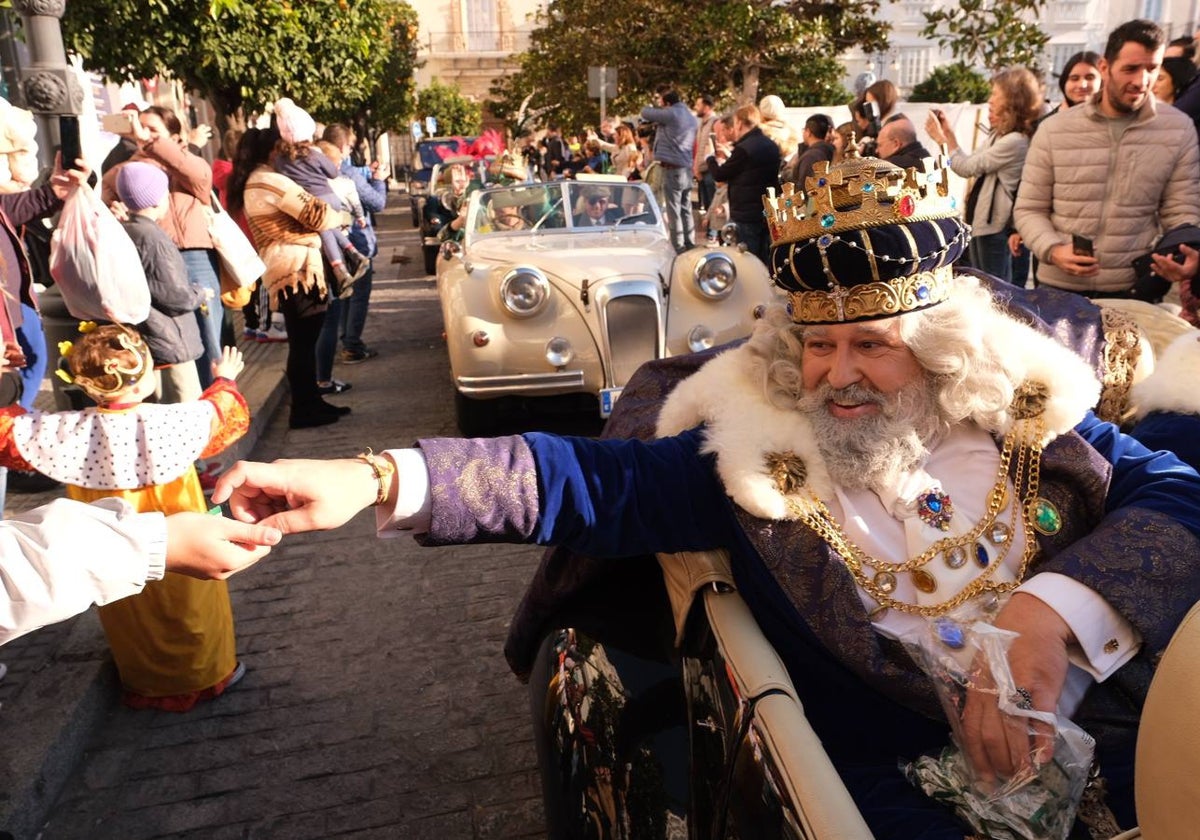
[1111, 646]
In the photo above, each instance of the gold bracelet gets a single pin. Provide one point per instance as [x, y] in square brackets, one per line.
[383, 469]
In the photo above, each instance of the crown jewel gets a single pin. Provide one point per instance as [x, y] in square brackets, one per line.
[858, 193]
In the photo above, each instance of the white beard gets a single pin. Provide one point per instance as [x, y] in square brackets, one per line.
[872, 452]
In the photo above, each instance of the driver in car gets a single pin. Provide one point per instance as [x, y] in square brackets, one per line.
[897, 445]
[598, 209]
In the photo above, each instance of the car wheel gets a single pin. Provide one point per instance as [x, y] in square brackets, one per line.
[476, 418]
[430, 252]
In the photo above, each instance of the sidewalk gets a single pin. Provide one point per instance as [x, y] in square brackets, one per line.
[60, 680]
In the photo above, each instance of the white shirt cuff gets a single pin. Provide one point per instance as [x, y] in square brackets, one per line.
[1104, 640]
[409, 509]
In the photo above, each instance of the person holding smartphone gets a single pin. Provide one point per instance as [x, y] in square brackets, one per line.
[1116, 170]
[162, 142]
[1013, 106]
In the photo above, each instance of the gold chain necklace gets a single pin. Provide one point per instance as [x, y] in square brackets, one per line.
[821, 522]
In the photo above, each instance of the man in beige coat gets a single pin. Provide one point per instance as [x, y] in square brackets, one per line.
[1113, 173]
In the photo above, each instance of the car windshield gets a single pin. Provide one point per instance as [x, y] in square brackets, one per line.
[561, 205]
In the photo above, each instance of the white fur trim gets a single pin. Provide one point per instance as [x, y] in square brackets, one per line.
[742, 428]
[1031, 356]
[1175, 383]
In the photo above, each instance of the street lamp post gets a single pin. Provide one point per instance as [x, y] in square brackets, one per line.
[48, 86]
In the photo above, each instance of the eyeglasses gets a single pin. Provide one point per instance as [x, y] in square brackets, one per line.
[597, 199]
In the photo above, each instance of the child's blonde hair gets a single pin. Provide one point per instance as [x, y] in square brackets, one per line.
[331, 151]
[106, 360]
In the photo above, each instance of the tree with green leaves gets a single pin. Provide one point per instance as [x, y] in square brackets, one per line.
[332, 56]
[455, 114]
[991, 34]
[954, 82]
[734, 50]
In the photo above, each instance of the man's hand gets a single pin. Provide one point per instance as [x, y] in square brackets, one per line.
[1064, 257]
[231, 363]
[998, 745]
[213, 547]
[1168, 269]
[1014, 244]
[297, 496]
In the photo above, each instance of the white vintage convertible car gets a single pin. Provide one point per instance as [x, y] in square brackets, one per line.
[566, 287]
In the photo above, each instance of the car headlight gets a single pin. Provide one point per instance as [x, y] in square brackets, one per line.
[524, 291]
[715, 274]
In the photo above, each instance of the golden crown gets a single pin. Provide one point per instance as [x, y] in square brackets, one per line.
[858, 193]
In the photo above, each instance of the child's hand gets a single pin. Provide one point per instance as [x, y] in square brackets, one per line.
[231, 363]
[119, 210]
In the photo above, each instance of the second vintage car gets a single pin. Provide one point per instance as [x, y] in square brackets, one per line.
[566, 287]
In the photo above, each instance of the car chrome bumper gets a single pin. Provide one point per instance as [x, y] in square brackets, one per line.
[520, 383]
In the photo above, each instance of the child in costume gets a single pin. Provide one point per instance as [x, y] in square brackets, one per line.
[173, 643]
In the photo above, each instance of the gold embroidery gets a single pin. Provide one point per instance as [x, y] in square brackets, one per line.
[1121, 355]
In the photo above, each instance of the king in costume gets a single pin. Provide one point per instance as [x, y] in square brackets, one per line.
[1035, 492]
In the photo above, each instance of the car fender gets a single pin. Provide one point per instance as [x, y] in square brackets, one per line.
[724, 320]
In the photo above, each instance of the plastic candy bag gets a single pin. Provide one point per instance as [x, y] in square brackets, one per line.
[95, 264]
[964, 653]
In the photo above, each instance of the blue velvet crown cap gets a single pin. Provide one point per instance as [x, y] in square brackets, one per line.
[865, 240]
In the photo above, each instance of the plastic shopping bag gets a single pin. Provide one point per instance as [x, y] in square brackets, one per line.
[964, 652]
[95, 264]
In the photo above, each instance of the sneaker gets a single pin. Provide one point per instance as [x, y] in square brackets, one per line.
[354, 357]
[251, 333]
[272, 335]
[334, 386]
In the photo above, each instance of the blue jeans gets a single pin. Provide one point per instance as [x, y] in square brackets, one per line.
[990, 253]
[677, 185]
[202, 266]
[344, 319]
[757, 239]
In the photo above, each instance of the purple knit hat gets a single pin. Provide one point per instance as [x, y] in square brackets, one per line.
[141, 185]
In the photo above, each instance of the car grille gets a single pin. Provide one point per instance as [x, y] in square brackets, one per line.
[632, 334]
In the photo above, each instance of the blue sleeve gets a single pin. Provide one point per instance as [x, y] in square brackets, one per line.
[1157, 481]
[372, 193]
[615, 498]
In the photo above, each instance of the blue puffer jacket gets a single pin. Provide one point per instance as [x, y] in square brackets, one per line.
[372, 192]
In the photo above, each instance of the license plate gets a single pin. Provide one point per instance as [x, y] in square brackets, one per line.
[608, 398]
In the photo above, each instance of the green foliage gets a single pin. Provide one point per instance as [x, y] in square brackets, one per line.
[762, 45]
[455, 114]
[952, 83]
[331, 56]
[991, 33]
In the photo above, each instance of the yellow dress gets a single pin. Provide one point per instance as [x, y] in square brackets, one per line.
[176, 637]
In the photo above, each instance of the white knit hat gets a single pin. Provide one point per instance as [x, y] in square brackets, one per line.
[295, 125]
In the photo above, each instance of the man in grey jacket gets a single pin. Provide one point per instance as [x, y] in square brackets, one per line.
[1102, 181]
[674, 143]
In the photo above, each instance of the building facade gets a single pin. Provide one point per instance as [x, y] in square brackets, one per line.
[1072, 25]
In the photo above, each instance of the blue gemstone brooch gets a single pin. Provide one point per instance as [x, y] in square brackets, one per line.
[936, 510]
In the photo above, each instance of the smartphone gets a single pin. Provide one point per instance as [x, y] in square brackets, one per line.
[119, 123]
[1082, 246]
[68, 131]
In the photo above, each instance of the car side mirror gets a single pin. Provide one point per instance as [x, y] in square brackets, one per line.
[729, 234]
[451, 249]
